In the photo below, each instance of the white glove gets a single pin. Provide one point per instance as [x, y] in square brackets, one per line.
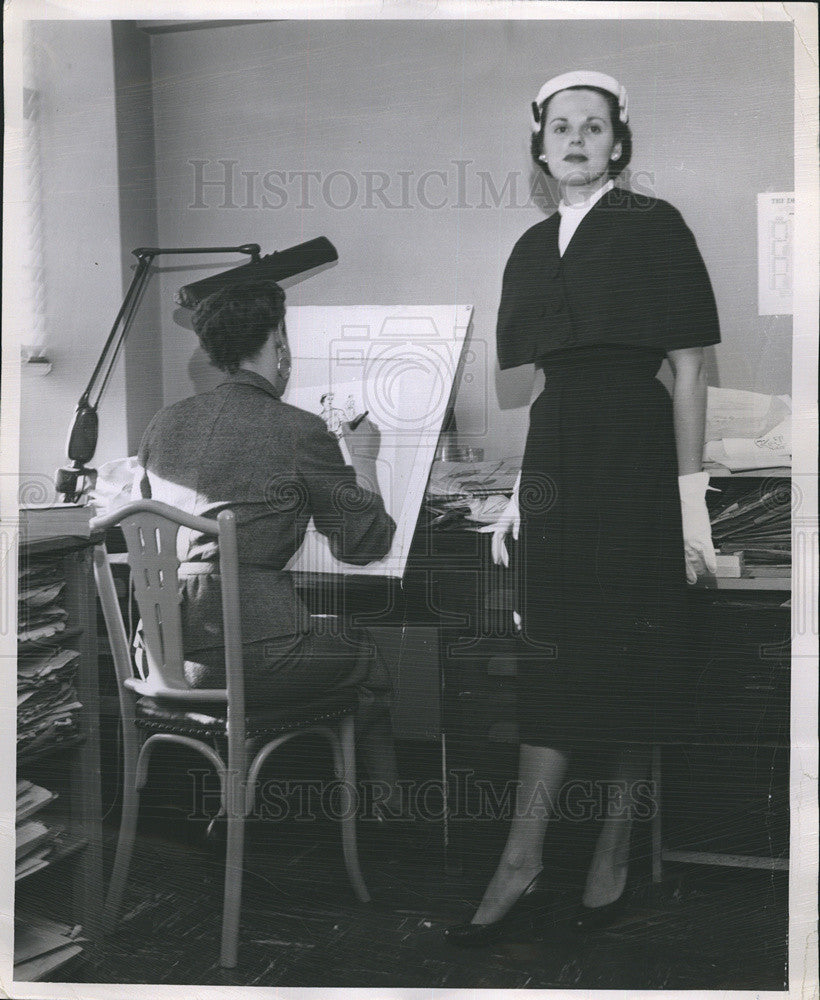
[509, 520]
[697, 529]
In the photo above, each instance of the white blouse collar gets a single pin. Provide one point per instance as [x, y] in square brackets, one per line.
[583, 207]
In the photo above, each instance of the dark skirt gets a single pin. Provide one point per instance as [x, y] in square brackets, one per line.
[602, 574]
[279, 670]
[294, 670]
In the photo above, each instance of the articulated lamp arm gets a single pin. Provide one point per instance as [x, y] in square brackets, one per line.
[74, 481]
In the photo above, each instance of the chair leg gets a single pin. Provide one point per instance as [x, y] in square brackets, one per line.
[345, 755]
[234, 864]
[125, 839]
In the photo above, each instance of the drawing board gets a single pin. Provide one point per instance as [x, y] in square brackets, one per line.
[399, 364]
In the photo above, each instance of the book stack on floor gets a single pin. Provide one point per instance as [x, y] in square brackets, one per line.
[753, 533]
[36, 837]
[41, 946]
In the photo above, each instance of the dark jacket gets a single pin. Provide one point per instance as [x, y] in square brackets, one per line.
[275, 466]
[631, 275]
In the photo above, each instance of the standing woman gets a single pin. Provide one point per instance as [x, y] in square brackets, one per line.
[611, 496]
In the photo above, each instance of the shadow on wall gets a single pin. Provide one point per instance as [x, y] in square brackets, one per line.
[203, 375]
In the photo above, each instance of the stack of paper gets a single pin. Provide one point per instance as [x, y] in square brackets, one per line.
[770, 451]
[38, 521]
[41, 946]
[738, 413]
[47, 703]
[31, 799]
[759, 525]
[453, 480]
[40, 613]
[35, 838]
[747, 430]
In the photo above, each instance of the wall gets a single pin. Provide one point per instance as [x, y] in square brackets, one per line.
[138, 221]
[98, 196]
[384, 103]
[73, 73]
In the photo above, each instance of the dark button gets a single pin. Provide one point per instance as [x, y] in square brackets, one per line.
[542, 312]
[556, 272]
[558, 305]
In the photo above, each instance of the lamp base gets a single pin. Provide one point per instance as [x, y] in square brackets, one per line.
[74, 483]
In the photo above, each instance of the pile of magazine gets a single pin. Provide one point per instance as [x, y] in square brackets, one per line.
[34, 837]
[757, 525]
[40, 613]
[41, 946]
[47, 703]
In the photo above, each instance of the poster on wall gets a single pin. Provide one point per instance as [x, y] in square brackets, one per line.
[775, 253]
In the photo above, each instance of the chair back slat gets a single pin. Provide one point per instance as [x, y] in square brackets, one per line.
[151, 540]
[150, 529]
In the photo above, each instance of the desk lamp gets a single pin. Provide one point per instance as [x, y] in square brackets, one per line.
[72, 482]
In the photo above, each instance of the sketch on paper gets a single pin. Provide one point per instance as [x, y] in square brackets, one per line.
[333, 415]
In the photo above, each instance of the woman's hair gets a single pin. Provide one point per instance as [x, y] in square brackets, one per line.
[234, 323]
[621, 131]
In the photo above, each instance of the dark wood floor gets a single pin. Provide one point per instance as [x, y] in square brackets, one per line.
[702, 929]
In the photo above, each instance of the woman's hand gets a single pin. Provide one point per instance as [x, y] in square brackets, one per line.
[697, 529]
[363, 444]
[364, 440]
[508, 521]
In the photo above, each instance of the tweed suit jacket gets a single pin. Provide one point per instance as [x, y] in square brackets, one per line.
[276, 466]
[632, 275]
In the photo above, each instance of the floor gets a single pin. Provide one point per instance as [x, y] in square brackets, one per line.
[703, 928]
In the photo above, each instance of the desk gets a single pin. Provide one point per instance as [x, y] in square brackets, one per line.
[737, 733]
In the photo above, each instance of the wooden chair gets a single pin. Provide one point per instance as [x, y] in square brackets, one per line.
[159, 707]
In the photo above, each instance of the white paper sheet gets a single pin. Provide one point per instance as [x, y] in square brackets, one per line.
[397, 363]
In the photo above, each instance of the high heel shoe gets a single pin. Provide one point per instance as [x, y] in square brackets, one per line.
[593, 918]
[534, 904]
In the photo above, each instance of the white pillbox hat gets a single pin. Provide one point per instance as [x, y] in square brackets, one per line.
[580, 78]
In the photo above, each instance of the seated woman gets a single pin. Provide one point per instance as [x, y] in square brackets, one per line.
[276, 466]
